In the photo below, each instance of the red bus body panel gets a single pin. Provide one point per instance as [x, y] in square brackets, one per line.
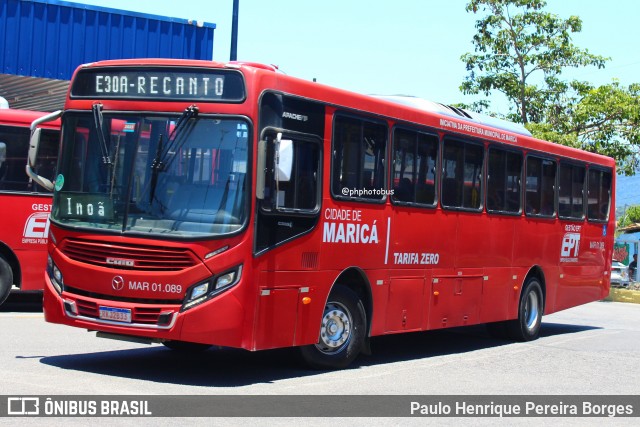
[25, 216]
[426, 268]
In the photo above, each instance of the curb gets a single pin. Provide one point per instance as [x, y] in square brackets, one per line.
[623, 295]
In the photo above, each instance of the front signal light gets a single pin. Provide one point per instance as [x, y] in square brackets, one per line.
[55, 275]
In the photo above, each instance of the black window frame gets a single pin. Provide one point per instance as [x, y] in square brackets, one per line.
[17, 140]
[383, 170]
[540, 214]
[573, 165]
[444, 180]
[271, 207]
[436, 178]
[602, 171]
[507, 151]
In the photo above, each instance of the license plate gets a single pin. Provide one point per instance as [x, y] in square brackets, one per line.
[115, 314]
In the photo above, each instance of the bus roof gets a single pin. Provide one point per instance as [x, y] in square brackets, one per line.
[11, 117]
[458, 113]
[429, 113]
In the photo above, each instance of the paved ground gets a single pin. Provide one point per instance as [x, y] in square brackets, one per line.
[592, 349]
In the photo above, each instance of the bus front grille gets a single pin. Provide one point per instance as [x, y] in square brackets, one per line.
[127, 256]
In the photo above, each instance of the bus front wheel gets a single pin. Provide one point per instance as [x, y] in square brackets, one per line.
[342, 332]
[6, 279]
[527, 326]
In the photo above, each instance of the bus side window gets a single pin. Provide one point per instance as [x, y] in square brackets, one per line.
[571, 191]
[3, 158]
[414, 161]
[451, 174]
[503, 181]
[359, 148]
[462, 174]
[47, 156]
[540, 187]
[13, 156]
[599, 194]
[300, 192]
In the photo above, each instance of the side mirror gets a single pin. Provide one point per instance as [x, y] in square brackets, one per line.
[34, 143]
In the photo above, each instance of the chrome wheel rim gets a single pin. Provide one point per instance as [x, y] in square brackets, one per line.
[336, 328]
[531, 311]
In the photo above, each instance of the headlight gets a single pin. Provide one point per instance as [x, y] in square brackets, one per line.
[226, 279]
[204, 291]
[55, 275]
[199, 291]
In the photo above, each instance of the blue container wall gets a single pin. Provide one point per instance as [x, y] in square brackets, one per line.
[47, 38]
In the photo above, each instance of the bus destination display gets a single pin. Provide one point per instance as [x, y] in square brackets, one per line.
[85, 207]
[159, 84]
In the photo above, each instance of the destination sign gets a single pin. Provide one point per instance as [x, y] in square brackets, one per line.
[85, 206]
[159, 83]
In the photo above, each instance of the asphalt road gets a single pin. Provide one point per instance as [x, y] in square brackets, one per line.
[591, 349]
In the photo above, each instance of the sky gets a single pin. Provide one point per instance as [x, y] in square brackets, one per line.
[401, 47]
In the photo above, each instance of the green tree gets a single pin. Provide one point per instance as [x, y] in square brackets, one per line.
[631, 216]
[603, 120]
[521, 51]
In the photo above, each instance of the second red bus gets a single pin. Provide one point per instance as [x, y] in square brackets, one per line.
[24, 206]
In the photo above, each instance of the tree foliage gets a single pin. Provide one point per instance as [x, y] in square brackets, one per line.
[603, 120]
[521, 51]
[631, 216]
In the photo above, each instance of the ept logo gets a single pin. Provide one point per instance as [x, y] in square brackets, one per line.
[36, 229]
[570, 247]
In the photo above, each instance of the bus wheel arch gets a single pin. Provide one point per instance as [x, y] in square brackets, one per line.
[344, 325]
[536, 271]
[517, 329]
[526, 326]
[9, 271]
[356, 280]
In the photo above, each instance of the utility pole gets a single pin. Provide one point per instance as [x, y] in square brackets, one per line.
[233, 55]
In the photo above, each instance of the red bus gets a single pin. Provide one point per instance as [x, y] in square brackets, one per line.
[245, 208]
[24, 206]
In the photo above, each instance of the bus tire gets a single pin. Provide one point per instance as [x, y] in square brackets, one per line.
[186, 347]
[527, 326]
[342, 332]
[6, 279]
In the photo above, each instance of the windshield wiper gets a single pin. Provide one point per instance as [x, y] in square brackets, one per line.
[156, 166]
[97, 122]
[165, 155]
[178, 137]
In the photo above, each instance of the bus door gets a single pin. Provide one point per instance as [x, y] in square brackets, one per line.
[289, 193]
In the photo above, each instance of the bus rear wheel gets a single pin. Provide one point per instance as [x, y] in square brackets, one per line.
[342, 332]
[186, 347]
[6, 279]
[527, 326]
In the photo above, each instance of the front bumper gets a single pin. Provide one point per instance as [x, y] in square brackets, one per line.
[218, 321]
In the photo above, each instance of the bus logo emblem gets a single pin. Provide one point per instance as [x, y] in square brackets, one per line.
[36, 229]
[117, 283]
[121, 262]
[570, 247]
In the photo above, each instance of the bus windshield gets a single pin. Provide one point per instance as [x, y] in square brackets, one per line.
[153, 174]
